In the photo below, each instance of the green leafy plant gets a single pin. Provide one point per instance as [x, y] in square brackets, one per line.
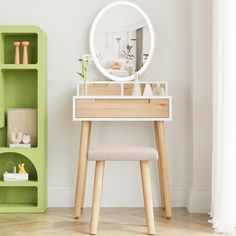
[127, 54]
[84, 61]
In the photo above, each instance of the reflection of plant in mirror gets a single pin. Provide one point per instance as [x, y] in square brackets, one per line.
[145, 56]
[127, 54]
[84, 65]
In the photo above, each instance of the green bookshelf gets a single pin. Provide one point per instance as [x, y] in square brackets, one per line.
[23, 86]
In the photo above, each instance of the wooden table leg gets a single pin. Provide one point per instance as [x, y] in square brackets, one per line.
[84, 142]
[86, 168]
[163, 167]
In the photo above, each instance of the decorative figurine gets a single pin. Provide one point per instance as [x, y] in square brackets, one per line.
[16, 138]
[17, 52]
[147, 90]
[26, 139]
[136, 88]
[22, 168]
[25, 52]
[158, 91]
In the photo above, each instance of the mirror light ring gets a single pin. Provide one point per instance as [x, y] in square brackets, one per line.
[92, 48]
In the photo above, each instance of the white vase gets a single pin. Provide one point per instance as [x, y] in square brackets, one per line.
[136, 88]
[82, 88]
[147, 90]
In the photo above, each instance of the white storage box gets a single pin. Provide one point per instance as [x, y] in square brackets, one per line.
[15, 177]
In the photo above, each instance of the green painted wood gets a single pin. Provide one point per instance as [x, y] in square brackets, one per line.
[20, 183]
[2, 101]
[23, 86]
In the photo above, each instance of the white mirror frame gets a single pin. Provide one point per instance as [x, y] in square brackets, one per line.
[91, 41]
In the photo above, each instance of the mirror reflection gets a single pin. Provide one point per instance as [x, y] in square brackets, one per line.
[122, 41]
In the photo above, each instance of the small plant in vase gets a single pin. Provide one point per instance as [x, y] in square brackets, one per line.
[84, 61]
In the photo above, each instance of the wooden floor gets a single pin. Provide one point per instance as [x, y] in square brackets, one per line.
[113, 222]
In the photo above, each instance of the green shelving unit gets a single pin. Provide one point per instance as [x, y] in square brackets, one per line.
[23, 86]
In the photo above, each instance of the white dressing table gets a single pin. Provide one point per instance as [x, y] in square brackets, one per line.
[112, 101]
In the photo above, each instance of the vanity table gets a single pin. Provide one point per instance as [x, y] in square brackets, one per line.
[113, 101]
[121, 47]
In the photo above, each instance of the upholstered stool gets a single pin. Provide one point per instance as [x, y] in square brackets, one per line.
[142, 154]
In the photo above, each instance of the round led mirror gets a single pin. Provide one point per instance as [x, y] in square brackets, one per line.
[121, 41]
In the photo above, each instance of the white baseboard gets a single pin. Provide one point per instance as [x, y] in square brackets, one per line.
[199, 200]
[125, 196]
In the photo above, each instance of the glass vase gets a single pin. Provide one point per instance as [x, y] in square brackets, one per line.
[84, 88]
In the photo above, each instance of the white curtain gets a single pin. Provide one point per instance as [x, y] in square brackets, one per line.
[224, 116]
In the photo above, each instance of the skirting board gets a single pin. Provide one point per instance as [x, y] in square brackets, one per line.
[127, 196]
[199, 200]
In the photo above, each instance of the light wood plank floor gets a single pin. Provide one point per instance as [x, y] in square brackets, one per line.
[113, 222]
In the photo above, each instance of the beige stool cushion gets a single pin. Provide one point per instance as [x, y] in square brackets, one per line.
[123, 154]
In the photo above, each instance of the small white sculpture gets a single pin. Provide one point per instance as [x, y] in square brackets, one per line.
[16, 138]
[147, 90]
[136, 88]
[26, 139]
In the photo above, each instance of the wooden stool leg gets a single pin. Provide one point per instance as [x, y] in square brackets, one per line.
[163, 170]
[84, 140]
[86, 168]
[147, 195]
[97, 192]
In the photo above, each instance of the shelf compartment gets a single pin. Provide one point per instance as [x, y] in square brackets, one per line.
[20, 88]
[20, 91]
[16, 196]
[9, 50]
[103, 88]
[128, 88]
[10, 159]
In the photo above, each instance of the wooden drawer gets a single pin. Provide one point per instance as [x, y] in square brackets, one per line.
[122, 108]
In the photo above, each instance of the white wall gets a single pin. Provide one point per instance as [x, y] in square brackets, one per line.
[67, 24]
[199, 194]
